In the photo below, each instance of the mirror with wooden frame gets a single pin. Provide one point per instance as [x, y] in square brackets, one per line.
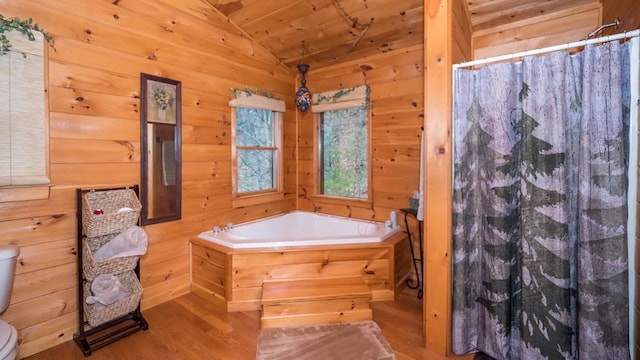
[161, 149]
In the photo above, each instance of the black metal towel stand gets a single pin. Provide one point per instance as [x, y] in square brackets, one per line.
[416, 259]
[93, 338]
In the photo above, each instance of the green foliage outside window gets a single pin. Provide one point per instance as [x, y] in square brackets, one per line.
[344, 153]
[256, 149]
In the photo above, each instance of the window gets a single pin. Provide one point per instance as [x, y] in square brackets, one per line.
[256, 149]
[24, 167]
[256, 152]
[343, 157]
[343, 153]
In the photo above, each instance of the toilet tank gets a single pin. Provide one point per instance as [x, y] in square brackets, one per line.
[8, 256]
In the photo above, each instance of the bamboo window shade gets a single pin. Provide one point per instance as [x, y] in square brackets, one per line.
[23, 130]
[341, 99]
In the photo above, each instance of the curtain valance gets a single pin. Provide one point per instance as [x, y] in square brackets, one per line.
[341, 99]
[245, 98]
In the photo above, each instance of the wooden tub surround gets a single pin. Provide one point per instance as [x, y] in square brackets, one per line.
[234, 278]
[314, 301]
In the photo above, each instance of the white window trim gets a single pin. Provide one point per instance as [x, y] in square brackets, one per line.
[332, 100]
[250, 100]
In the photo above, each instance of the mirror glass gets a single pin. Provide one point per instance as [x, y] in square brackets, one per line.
[161, 143]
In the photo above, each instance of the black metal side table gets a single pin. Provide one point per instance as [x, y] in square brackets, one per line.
[416, 259]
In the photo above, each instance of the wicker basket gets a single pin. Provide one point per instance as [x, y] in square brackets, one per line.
[92, 267]
[97, 314]
[110, 221]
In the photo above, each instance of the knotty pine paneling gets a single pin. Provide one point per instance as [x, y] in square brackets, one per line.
[61, 201]
[94, 76]
[38, 229]
[492, 13]
[625, 10]
[164, 270]
[238, 275]
[548, 29]
[42, 257]
[101, 48]
[83, 127]
[32, 284]
[56, 303]
[462, 33]
[46, 334]
[74, 151]
[167, 289]
[397, 98]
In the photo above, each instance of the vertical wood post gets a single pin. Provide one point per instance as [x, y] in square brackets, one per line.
[438, 151]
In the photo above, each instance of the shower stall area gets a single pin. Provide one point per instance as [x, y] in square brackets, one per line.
[545, 147]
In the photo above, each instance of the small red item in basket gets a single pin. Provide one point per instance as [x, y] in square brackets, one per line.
[98, 212]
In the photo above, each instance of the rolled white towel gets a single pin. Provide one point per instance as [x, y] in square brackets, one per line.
[130, 242]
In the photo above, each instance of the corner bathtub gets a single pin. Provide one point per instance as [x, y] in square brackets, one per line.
[229, 268]
[300, 228]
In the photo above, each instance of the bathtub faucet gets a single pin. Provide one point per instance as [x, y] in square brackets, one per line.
[216, 229]
[229, 226]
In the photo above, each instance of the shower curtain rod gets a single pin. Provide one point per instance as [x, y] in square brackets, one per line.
[572, 45]
[616, 23]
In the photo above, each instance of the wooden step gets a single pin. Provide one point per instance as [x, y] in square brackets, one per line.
[314, 302]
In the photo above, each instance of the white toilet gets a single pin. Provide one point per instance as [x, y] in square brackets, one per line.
[8, 334]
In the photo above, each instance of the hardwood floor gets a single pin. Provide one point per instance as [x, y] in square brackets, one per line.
[191, 328]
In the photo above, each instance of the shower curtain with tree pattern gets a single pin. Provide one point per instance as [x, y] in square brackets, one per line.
[540, 207]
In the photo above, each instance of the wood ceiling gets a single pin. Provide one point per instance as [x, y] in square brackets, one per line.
[334, 31]
[493, 13]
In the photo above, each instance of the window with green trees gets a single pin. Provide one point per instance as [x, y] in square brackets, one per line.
[343, 154]
[256, 144]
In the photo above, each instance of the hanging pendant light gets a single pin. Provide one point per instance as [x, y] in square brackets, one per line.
[303, 95]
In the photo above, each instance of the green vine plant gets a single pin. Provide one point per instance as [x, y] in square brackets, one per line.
[25, 27]
[338, 94]
[248, 92]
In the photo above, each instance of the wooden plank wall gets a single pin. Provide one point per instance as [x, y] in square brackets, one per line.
[396, 81]
[571, 24]
[462, 33]
[626, 10]
[101, 49]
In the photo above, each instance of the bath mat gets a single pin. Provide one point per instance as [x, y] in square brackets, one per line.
[349, 341]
